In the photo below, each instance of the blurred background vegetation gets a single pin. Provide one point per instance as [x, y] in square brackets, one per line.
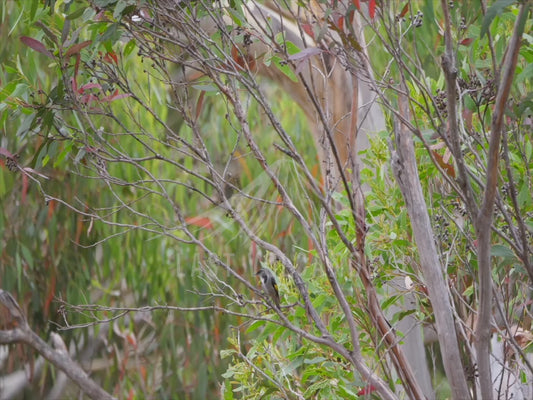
[49, 252]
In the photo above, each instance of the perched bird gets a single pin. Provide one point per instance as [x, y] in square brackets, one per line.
[270, 286]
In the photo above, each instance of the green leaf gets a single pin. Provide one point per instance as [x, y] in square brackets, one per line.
[25, 126]
[255, 325]
[228, 393]
[284, 67]
[112, 33]
[315, 360]
[45, 160]
[494, 10]
[104, 3]
[228, 374]
[526, 74]
[391, 300]
[76, 14]
[504, 252]
[26, 254]
[129, 47]
[88, 14]
[63, 154]
[347, 393]
[524, 196]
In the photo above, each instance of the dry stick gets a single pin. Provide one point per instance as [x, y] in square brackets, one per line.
[406, 173]
[450, 73]
[21, 333]
[483, 221]
[354, 356]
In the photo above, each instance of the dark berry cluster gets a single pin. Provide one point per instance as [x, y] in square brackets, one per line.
[481, 93]
[441, 225]
[459, 207]
[505, 190]
[462, 24]
[416, 20]
[12, 163]
[441, 102]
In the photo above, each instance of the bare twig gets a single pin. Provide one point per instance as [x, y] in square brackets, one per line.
[22, 333]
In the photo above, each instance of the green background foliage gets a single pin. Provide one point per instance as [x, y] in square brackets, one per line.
[49, 252]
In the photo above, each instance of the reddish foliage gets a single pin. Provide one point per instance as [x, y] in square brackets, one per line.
[372, 8]
[111, 57]
[76, 48]
[36, 45]
[25, 186]
[466, 42]
[366, 390]
[202, 222]
[308, 28]
[246, 62]
[404, 10]
[447, 167]
[51, 291]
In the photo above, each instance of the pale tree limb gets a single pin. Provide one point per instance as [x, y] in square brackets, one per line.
[405, 170]
[22, 333]
[483, 221]
[449, 68]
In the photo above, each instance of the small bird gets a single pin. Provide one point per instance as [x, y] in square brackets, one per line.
[270, 286]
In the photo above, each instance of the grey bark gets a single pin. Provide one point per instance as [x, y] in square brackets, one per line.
[406, 173]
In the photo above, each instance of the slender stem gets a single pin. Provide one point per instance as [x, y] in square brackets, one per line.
[483, 221]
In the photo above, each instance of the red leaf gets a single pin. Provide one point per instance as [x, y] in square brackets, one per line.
[366, 390]
[466, 42]
[51, 207]
[117, 96]
[279, 200]
[111, 57]
[372, 8]
[88, 86]
[308, 28]
[25, 185]
[287, 231]
[356, 4]
[340, 22]
[36, 45]
[142, 372]
[447, 167]
[243, 61]
[88, 98]
[6, 153]
[404, 10]
[74, 84]
[202, 222]
[130, 337]
[76, 48]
